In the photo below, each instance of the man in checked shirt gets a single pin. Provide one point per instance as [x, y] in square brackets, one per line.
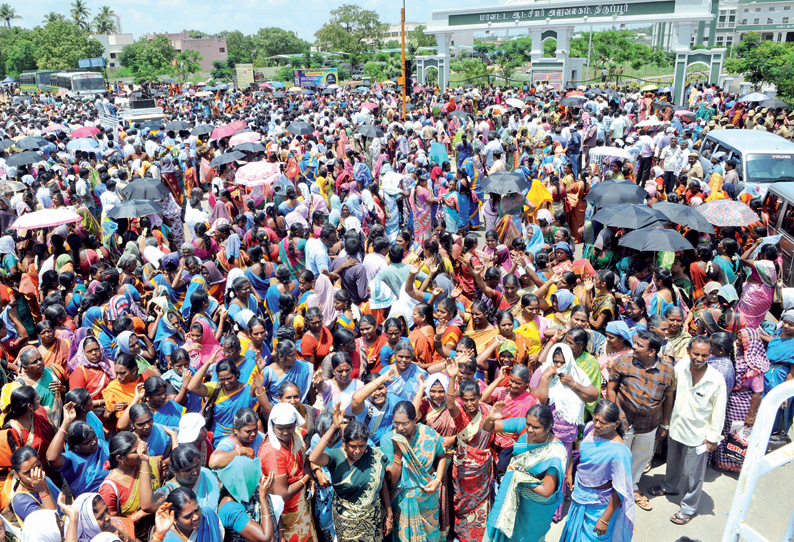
[643, 387]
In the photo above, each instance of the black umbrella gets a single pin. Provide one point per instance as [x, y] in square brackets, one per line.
[178, 125]
[279, 95]
[611, 93]
[300, 128]
[661, 104]
[370, 131]
[505, 183]
[410, 107]
[684, 215]
[6, 144]
[328, 91]
[596, 91]
[145, 189]
[31, 143]
[307, 92]
[614, 192]
[573, 101]
[250, 147]
[135, 208]
[202, 129]
[629, 216]
[23, 158]
[655, 240]
[227, 158]
[774, 103]
[458, 113]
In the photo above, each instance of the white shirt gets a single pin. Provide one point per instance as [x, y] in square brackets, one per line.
[109, 200]
[699, 410]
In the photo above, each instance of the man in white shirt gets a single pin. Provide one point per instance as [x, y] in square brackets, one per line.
[695, 427]
[109, 198]
[668, 157]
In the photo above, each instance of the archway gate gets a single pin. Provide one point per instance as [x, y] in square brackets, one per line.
[549, 18]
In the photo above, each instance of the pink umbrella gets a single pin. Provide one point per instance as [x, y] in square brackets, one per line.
[203, 94]
[55, 128]
[238, 125]
[200, 84]
[245, 137]
[265, 85]
[46, 219]
[220, 132]
[85, 131]
[257, 174]
[369, 105]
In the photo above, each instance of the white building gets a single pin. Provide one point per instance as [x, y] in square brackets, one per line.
[773, 19]
[113, 44]
[393, 32]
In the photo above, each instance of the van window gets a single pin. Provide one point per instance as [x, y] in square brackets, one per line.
[768, 168]
[707, 148]
[772, 205]
[787, 225]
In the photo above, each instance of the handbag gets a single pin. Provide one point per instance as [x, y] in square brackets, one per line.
[208, 410]
[736, 443]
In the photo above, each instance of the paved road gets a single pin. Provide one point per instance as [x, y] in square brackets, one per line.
[772, 506]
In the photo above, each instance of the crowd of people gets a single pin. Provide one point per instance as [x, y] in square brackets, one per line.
[378, 337]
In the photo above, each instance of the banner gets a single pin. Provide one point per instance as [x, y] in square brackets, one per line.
[315, 77]
[245, 75]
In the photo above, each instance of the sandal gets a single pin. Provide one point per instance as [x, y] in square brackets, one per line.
[681, 519]
[642, 501]
[657, 491]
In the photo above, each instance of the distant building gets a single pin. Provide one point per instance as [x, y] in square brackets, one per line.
[113, 44]
[393, 32]
[211, 49]
[733, 19]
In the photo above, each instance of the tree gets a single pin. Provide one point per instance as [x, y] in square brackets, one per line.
[188, 63]
[469, 68]
[222, 71]
[80, 14]
[62, 43]
[613, 47]
[353, 30]
[20, 57]
[506, 63]
[271, 41]
[765, 62]
[8, 14]
[418, 37]
[52, 17]
[550, 48]
[148, 60]
[106, 21]
[239, 47]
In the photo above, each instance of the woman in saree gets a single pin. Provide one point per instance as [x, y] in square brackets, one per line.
[758, 290]
[83, 464]
[95, 321]
[723, 317]
[188, 473]
[181, 518]
[27, 421]
[417, 462]
[361, 505]
[120, 392]
[751, 364]
[430, 402]
[532, 488]
[215, 279]
[480, 329]
[534, 327]
[566, 388]
[129, 487]
[406, 383]
[201, 344]
[54, 351]
[286, 367]
[228, 394]
[30, 489]
[168, 176]
[448, 328]
[244, 440]
[342, 386]
[46, 381]
[131, 344]
[472, 467]
[290, 251]
[91, 369]
[282, 455]
[153, 393]
[602, 506]
[168, 337]
[392, 191]
[421, 200]
[618, 343]
[601, 300]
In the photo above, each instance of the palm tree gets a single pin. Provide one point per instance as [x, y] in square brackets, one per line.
[80, 14]
[53, 17]
[8, 14]
[106, 21]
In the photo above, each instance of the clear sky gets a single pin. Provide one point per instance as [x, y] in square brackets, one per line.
[302, 16]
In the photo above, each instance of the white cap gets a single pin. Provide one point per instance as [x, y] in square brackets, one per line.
[190, 426]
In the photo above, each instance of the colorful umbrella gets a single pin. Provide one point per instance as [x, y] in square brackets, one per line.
[723, 213]
[85, 131]
[227, 130]
[55, 128]
[649, 88]
[689, 116]
[574, 93]
[245, 137]
[46, 219]
[369, 105]
[257, 174]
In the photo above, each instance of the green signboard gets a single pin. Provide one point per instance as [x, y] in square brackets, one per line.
[561, 13]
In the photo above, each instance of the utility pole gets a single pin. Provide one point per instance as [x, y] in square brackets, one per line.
[589, 46]
[402, 38]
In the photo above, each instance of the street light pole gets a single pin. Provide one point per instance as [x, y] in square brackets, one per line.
[589, 46]
[402, 38]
